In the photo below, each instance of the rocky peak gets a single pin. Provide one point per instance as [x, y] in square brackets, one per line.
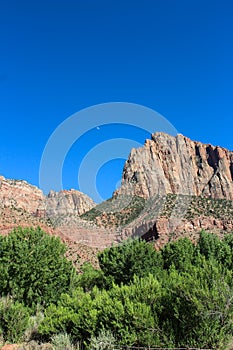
[19, 194]
[67, 202]
[168, 164]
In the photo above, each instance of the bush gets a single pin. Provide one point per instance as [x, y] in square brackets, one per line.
[74, 315]
[197, 306]
[14, 319]
[33, 267]
[104, 341]
[90, 277]
[133, 257]
[180, 253]
[33, 325]
[61, 341]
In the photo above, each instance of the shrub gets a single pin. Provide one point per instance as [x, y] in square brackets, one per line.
[133, 257]
[179, 253]
[90, 277]
[104, 341]
[33, 267]
[34, 321]
[61, 341]
[14, 319]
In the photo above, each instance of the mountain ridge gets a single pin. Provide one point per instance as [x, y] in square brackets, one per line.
[168, 164]
[168, 174]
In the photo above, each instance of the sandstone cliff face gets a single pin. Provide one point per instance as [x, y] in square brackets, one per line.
[19, 194]
[22, 204]
[67, 202]
[167, 164]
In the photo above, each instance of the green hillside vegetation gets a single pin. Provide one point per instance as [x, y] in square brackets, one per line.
[180, 296]
[198, 205]
[123, 210]
[116, 211]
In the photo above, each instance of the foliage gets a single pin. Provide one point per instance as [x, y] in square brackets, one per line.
[61, 341]
[133, 257]
[33, 267]
[104, 341]
[90, 277]
[83, 315]
[180, 254]
[178, 297]
[218, 250]
[74, 315]
[33, 324]
[197, 306]
[14, 318]
[210, 245]
[181, 297]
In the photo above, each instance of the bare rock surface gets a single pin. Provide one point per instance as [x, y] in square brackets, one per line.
[67, 202]
[18, 194]
[167, 164]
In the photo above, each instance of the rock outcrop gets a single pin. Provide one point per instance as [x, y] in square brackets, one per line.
[167, 164]
[67, 202]
[165, 229]
[22, 204]
[19, 194]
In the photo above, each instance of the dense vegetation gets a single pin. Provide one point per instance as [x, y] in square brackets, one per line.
[178, 297]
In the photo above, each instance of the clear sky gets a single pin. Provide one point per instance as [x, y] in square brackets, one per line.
[60, 56]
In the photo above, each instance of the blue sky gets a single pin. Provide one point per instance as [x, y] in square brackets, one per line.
[58, 57]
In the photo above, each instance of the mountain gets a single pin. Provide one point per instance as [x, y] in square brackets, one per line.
[167, 164]
[171, 187]
[22, 204]
[19, 194]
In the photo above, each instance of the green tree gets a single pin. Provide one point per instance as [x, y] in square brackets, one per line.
[227, 257]
[133, 257]
[209, 245]
[180, 253]
[14, 319]
[33, 267]
[197, 306]
[216, 249]
[90, 277]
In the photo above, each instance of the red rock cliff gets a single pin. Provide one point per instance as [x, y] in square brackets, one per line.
[167, 164]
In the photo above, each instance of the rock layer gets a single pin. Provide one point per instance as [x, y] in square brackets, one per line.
[19, 194]
[167, 164]
[67, 202]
